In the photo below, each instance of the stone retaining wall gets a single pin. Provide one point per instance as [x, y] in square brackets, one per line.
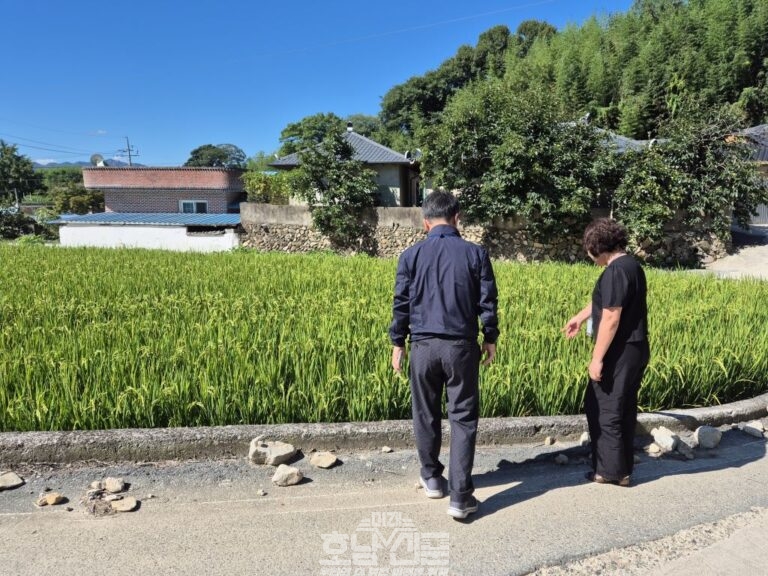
[392, 230]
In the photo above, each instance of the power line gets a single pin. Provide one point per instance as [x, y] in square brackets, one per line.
[58, 146]
[49, 149]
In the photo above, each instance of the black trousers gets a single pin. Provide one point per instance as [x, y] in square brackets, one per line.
[454, 365]
[611, 408]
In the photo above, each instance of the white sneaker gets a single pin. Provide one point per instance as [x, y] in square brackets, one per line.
[461, 511]
[433, 487]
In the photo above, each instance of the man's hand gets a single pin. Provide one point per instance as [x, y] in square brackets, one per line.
[398, 353]
[489, 352]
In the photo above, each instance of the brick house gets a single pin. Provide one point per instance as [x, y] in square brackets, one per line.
[185, 209]
[168, 190]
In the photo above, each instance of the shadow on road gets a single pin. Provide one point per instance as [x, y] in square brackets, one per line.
[520, 481]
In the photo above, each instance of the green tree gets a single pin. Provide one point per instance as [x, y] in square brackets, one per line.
[14, 224]
[511, 155]
[267, 188]
[218, 156]
[17, 175]
[368, 126]
[490, 51]
[529, 31]
[75, 199]
[337, 189]
[700, 177]
[68, 193]
[61, 176]
[260, 161]
[308, 132]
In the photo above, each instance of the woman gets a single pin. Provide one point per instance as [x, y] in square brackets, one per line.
[619, 316]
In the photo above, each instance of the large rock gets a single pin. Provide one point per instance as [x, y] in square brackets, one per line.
[50, 499]
[665, 439]
[287, 475]
[754, 428]
[113, 485]
[323, 459]
[127, 504]
[708, 437]
[10, 480]
[685, 447]
[271, 453]
[653, 448]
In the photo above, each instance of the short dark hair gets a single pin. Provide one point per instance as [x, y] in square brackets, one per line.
[440, 205]
[603, 236]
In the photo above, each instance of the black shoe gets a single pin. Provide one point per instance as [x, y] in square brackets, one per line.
[461, 510]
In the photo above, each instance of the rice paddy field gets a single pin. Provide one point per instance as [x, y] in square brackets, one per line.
[93, 339]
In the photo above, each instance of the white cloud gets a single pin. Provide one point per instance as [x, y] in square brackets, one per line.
[45, 160]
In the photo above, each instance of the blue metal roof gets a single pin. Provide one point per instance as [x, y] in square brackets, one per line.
[151, 219]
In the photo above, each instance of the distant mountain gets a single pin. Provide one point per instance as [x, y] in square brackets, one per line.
[108, 162]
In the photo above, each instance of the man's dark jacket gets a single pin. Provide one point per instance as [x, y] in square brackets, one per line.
[443, 285]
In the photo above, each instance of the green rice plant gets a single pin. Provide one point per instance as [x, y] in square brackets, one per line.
[94, 339]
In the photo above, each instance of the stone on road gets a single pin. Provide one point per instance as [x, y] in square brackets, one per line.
[10, 480]
[209, 516]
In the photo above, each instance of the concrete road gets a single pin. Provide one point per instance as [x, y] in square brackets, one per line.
[749, 260]
[207, 517]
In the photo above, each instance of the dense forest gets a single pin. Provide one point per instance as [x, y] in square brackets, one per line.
[630, 72]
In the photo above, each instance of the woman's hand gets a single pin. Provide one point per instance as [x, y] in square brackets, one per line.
[572, 327]
[596, 370]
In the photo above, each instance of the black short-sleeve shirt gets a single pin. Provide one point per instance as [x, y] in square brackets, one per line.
[622, 284]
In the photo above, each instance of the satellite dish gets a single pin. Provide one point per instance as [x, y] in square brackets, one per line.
[414, 156]
[97, 160]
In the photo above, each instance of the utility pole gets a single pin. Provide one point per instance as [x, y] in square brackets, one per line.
[129, 150]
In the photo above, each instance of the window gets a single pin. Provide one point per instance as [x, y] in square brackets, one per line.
[193, 206]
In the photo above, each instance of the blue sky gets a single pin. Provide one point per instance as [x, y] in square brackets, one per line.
[78, 77]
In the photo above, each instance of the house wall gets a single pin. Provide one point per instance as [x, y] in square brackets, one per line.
[164, 178]
[388, 183]
[761, 218]
[138, 189]
[157, 237]
[154, 200]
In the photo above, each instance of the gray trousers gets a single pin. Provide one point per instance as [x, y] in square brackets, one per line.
[454, 365]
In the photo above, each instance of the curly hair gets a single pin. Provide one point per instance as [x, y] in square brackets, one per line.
[604, 235]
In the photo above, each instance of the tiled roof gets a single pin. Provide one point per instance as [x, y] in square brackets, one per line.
[757, 133]
[162, 169]
[623, 144]
[151, 219]
[758, 136]
[366, 150]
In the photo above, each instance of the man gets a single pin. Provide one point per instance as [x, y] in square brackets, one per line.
[443, 285]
